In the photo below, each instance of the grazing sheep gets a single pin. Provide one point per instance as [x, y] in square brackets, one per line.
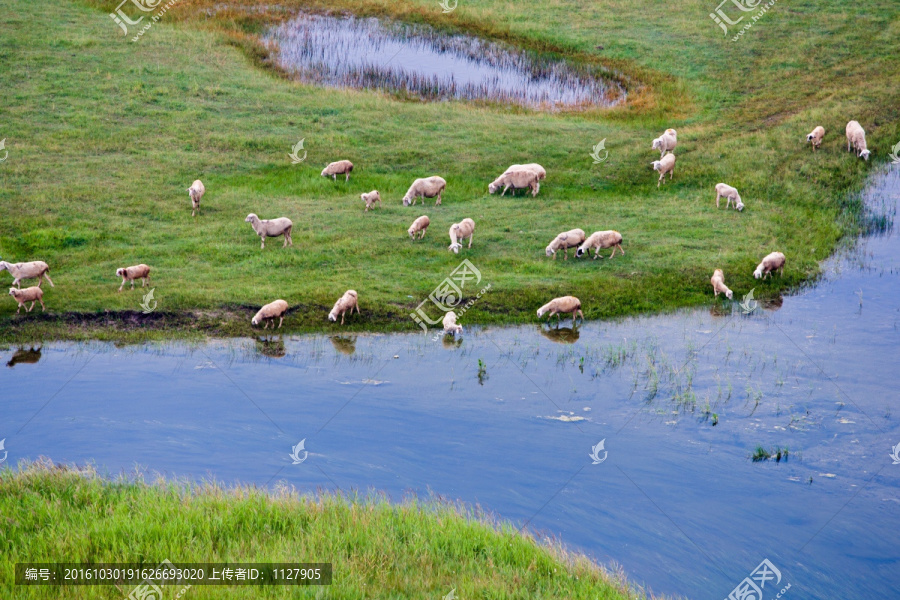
[196, 192]
[345, 303]
[718, 283]
[665, 165]
[420, 225]
[425, 188]
[450, 325]
[341, 167]
[542, 173]
[32, 294]
[140, 271]
[666, 142]
[600, 240]
[270, 312]
[517, 180]
[815, 137]
[772, 262]
[565, 240]
[370, 199]
[723, 190]
[27, 270]
[856, 139]
[460, 231]
[271, 228]
[566, 304]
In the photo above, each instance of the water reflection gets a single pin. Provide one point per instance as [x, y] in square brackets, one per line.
[23, 356]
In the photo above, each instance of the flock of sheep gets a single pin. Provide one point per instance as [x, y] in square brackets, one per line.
[527, 176]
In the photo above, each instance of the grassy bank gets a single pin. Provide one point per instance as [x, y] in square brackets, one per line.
[105, 135]
[377, 549]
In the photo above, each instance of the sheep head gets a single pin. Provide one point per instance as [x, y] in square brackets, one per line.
[758, 272]
[406, 200]
[4, 265]
[493, 187]
[454, 247]
[655, 165]
[729, 294]
[541, 311]
[739, 206]
[12, 292]
[657, 144]
[864, 154]
[251, 218]
[332, 317]
[580, 252]
[120, 272]
[549, 251]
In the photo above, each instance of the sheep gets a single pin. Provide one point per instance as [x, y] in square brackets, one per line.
[815, 137]
[565, 240]
[856, 139]
[196, 192]
[450, 325]
[772, 262]
[542, 173]
[426, 188]
[370, 199]
[666, 142]
[341, 167]
[271, 228]
[140, 271]
[420, 225]
[519, 179]
[600, 240]
[27, 270]
[31, 294]
[723, 190]
[664, 165]
[460, 231]
[345, 303]
[718, 283]
[269, 312]
[566, 304]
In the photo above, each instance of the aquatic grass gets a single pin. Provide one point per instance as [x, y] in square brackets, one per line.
[777, 453]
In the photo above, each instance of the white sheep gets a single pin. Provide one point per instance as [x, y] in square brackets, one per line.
[341, 167]
[565, 240]
[542, 173]
[450, 325]
[460, 231]
[600, 240]
[271, 228]
[370, 199]
[557, 306]
[723, 190]
[140, 271]
[772, 262]
[270, 312]
[27, 270]
[31, 294]
[517, 180]
[666, 142]
[420, 225]
[815, 137]
[718, 283]
[345, 303]
[428, 187]
[664, 165]
[196, 192]
[856, 139]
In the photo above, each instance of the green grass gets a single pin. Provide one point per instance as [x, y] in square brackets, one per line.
[378, 549]
[104, 136]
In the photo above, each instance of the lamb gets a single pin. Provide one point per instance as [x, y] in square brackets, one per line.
[664, 165]
[724, 190]
[271, 228]
[460, 231]
[519, 179]
[815, 136]
[600, 240]
[772, 262]
[31, 294]
[565, 240]
[450, 325]
[420, 225]
[856, 139]
[196, 192]
[666, 142]
[426, 188]
[345, 303]
[542, 173]
[27, 270]
[566, 304]
[270, 312]
[718, 283]
[370, 199]
[140, 271]
[341, 167]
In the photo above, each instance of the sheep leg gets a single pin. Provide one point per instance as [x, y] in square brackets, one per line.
[20, 306]
[440, 198]
[613, 254]
[658, 181]
[347, 178]
[334, 177]
[357, 309]
[342, 317]
[28, 310]
[470, 239]
[280, 321]
[717, 200]
[622, 250]
[43, 308]
[17, 284]
[123, 284]
[671, 174]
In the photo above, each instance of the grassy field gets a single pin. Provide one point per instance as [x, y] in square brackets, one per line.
[104, 136]
[378, 549]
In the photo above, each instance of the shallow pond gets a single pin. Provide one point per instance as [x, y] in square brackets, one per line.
[369, 53]
[681, 402]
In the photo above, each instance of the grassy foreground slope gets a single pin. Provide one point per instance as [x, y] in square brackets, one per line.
[105, 135]
[377, 549]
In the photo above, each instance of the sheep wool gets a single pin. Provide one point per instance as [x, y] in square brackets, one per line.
[271, 228]
[428, 187]
[27, 270]
[565, 304]
[270, 312]
[565, 240]
[31, 294]
[600, 240]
